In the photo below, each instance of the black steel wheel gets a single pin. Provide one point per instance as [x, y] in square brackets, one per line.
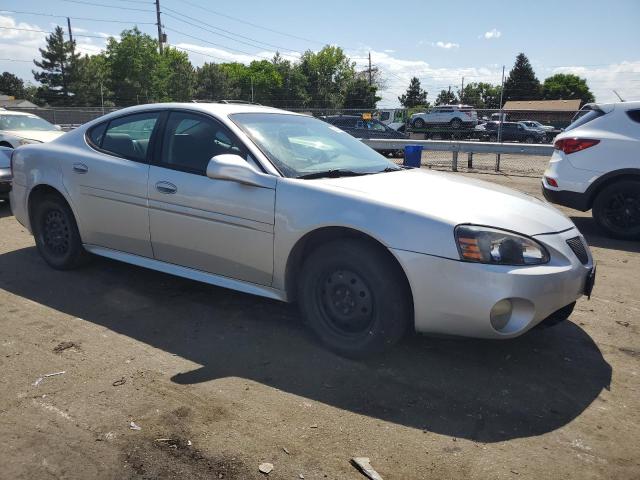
[418, 123]
[456, 123]
[616, 209]
[56, 233]
[354, 297]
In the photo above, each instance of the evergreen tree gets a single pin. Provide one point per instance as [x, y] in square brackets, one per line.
[360, 94]
[522, 83]
[58, 66]
[563, 86]
[414, 95]
[11, 85]
[446, 97]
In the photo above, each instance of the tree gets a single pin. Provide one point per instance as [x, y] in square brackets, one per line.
[11, 85]
[58, 65]
[328, 74]
[446, 97]
[132, 61]
[563, 86]
[360, 94]
[292, 91]
[414, 95]
[522, 83]
[481, 95]
[92, 80]
[213, 83]
[173, 77]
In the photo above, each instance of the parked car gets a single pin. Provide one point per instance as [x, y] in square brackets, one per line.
[453, 116]
[20, 128]
[394, 118]
[596, 166]
[511, 132]
[292, 208]
[537, 125]
[360, 128]
[5, 172]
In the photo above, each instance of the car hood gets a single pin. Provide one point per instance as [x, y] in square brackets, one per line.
[39, 135]
[455, 199]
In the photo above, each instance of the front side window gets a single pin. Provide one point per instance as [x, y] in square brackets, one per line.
[127, 136]
[376, 126]
[299, 145]
[191, 140]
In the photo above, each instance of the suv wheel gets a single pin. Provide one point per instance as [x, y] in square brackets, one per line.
[529, 140]
[616, 209]
[456, 123]
[418, 123]
[354, 298]
[56, 234]
[493, 138]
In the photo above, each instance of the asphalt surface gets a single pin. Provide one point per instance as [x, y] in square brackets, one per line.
[220, 382]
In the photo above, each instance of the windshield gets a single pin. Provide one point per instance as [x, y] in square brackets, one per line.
[24, 122]
[300, 145]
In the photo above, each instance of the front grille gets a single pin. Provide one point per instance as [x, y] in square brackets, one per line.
[577, 246]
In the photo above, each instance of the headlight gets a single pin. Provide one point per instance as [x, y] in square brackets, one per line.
[494, 246]
[26, 141]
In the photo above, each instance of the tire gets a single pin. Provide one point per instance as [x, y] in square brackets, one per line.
[558, 316]
[56, 234]
[354, 298]
[616, 209]
[493, 138]
[529, 140]
[456, 123]
[418, 123]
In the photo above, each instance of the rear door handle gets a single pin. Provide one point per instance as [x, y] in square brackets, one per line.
[80, 168]
[166, 187]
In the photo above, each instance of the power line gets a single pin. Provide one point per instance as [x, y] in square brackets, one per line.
[77, 18]
[45, 31]
[108, 6]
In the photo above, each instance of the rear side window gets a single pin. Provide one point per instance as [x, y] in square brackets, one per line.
[584, 116]
[128, 137]
[634, 115]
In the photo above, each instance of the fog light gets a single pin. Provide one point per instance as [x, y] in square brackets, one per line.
[501, 313]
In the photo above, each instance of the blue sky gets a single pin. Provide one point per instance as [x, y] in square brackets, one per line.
[440, 42]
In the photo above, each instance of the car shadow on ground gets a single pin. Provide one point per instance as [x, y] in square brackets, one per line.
[480, 390]
[596, 238]
[5, 209]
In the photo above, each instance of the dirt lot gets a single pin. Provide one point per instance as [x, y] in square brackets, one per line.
[220, 382]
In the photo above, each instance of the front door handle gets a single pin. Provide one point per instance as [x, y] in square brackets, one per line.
[166, 187]
[80, 168]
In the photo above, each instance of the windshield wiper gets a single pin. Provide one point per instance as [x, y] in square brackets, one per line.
[335, 173]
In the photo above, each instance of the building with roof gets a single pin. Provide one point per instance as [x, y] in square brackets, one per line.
[7, 101]
[555, 112]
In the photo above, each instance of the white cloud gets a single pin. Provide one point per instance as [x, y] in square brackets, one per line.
[493, 33]
[446, 45]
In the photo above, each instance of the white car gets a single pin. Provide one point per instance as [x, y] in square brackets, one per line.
[596, 165]
[453, 116]
[292, 208]
[20, 128]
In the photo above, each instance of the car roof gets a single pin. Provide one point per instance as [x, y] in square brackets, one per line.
[18, 114]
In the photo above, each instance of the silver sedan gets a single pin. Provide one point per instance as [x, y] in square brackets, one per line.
[289, 207]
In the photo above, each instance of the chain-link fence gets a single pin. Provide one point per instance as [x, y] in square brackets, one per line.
[443, 122]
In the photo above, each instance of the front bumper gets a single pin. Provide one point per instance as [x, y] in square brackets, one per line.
[456, 298]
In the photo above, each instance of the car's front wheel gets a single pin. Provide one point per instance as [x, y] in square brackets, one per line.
[616, 209]
[456, 123]
[354, 297]
[56, 234]
[418, 123]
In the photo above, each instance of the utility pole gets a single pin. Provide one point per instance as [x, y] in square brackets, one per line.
[102, 98]
[462, 91]
[501, 114]
[252, 89]
[370, 79]
[69, 27]
[159, 26]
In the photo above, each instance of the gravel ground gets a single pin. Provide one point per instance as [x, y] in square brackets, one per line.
[220, 382]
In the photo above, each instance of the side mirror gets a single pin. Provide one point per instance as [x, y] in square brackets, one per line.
[234, 168]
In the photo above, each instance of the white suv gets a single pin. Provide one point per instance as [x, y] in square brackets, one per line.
[596, 165]
[454, 116]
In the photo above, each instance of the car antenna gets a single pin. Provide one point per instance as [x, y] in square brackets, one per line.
[618, 95]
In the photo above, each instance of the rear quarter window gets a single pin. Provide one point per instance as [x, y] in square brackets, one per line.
[634, 115]
[96, 133]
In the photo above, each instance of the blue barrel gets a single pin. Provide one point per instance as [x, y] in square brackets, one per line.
[412, 155]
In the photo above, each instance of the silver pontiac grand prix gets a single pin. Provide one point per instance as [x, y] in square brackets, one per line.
[286, 206]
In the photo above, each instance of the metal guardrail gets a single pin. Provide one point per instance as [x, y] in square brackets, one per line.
[457, 147]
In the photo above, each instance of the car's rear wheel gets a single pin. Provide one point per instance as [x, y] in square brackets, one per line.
[354, 297]
[493, 138]
[616, 209]
[56, 234]
[529, 140]
[418, 123]
[456, 123]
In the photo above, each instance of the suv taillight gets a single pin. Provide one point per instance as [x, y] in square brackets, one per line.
[572, 145]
